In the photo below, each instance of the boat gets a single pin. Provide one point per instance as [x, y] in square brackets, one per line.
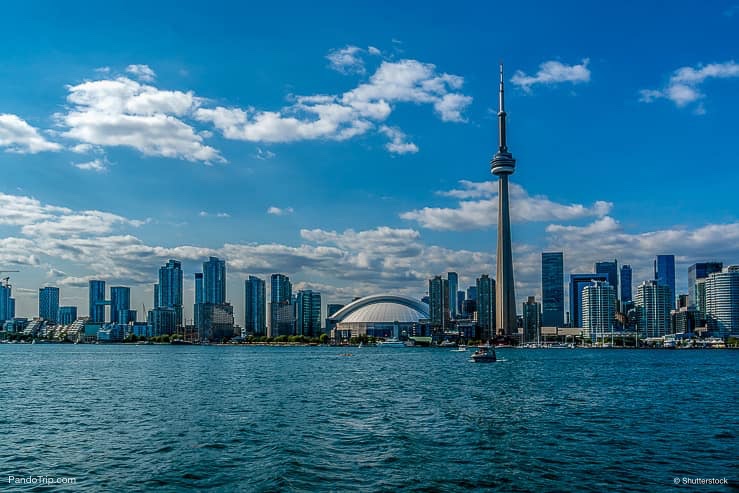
[484, 354]
[360, 346]
[392, 342]
[447, 343]
[460, 349]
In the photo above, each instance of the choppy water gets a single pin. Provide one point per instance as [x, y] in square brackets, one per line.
[170, 418]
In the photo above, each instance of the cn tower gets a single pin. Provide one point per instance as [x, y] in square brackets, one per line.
[503, 165]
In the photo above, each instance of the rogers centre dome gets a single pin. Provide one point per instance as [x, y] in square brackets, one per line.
[379, 315]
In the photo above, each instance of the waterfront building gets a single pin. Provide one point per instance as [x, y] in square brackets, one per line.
[308, 313]
[48, 304]
[722, 302]
[653, 306]
[7, 303]
[469, 308]
[472, 293]
[610, 270]
[255, 305]
[216, 322]
[453, 280]
[214, 281]
[503, 165]
[626, 280]
[67, 315]
[598, 309]
[696, 272]
[664, 274]
[96, 302]
[163, 320]
[281, 310]
[439, 302]
[381, 315]
[577, 284]
[120, 304]
[332, 308]
[486, 306]
[169, 290]
[552, 289]
[531, 321]
[684, 320]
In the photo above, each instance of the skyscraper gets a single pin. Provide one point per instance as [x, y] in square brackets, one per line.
[199, 295]
[439, 302]
[214, 280]
[255, 305]
[552, 289]
[610, 270]
[485, 306]
[7, 303]
[460, 304]
[281, 312]
[653, 305]
[531, 320]
[472, 293]
[598, 309]
[722, 302]
[577, 283]
[502, 166]
[664, 274]
[48, 304]
[308, 313]
[698, 271]
[453, 288]
[67, 315]
[120, 304]
[96, 299]
[170, 288]
[626, 292]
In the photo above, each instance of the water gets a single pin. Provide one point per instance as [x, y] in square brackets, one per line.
[170, 418]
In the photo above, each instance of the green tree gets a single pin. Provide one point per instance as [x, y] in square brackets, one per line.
[323, 339]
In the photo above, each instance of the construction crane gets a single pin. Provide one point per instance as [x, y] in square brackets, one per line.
[6, 280]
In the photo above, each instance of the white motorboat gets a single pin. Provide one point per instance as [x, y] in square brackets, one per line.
[484, 354]
[392, 342]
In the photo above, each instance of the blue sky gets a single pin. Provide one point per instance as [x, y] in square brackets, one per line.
[348, 145]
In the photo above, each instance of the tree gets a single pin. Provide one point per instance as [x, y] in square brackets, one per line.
[323, 339]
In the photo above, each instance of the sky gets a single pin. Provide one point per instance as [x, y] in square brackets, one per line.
[347, 144]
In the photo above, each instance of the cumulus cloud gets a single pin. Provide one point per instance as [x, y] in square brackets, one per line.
[16, 135]
[217, 214]
[123, 112]
[96, 165]
[142, 72]
[353, 113]
[279, 211]
[398, 143]
[553, 72]
[478, 208]
[346, 60]
[684, 85]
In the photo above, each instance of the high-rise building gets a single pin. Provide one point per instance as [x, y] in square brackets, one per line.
[199, 294]
[163, 320]
[664, 274]
[120, 304]
[472, 293]
[577, 283]
[626, 292]
[7, 303]
[67, 315]
[610, 270]
[214, 280]
[439, 302]
[96, 299]
[308, 313]
[255, 306]
[486, 302]
[598, 309]
[722, 302]
[48, 304]
[700, 270]
[653, 305]
[503, 165]
[281, 311]
[552, 289]
[531, 321]
[453, 280]
[332, 308]
[170, 288]
[460, 304]
[216, 321]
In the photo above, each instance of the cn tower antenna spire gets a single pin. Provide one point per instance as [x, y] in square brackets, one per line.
[502, 145]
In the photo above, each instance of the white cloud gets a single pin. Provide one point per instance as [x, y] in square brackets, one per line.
[123, 112]
[97, 165]
[344, 116]
[217, 214]
[277, 211]
[374, 51]
[553, 72]
[264, 154]
[346, 60]
[684, 85]
[16, 135]
[142, 72]
[398, 144]
[483, 212]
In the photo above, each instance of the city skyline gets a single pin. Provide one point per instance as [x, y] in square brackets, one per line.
[347, 195]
